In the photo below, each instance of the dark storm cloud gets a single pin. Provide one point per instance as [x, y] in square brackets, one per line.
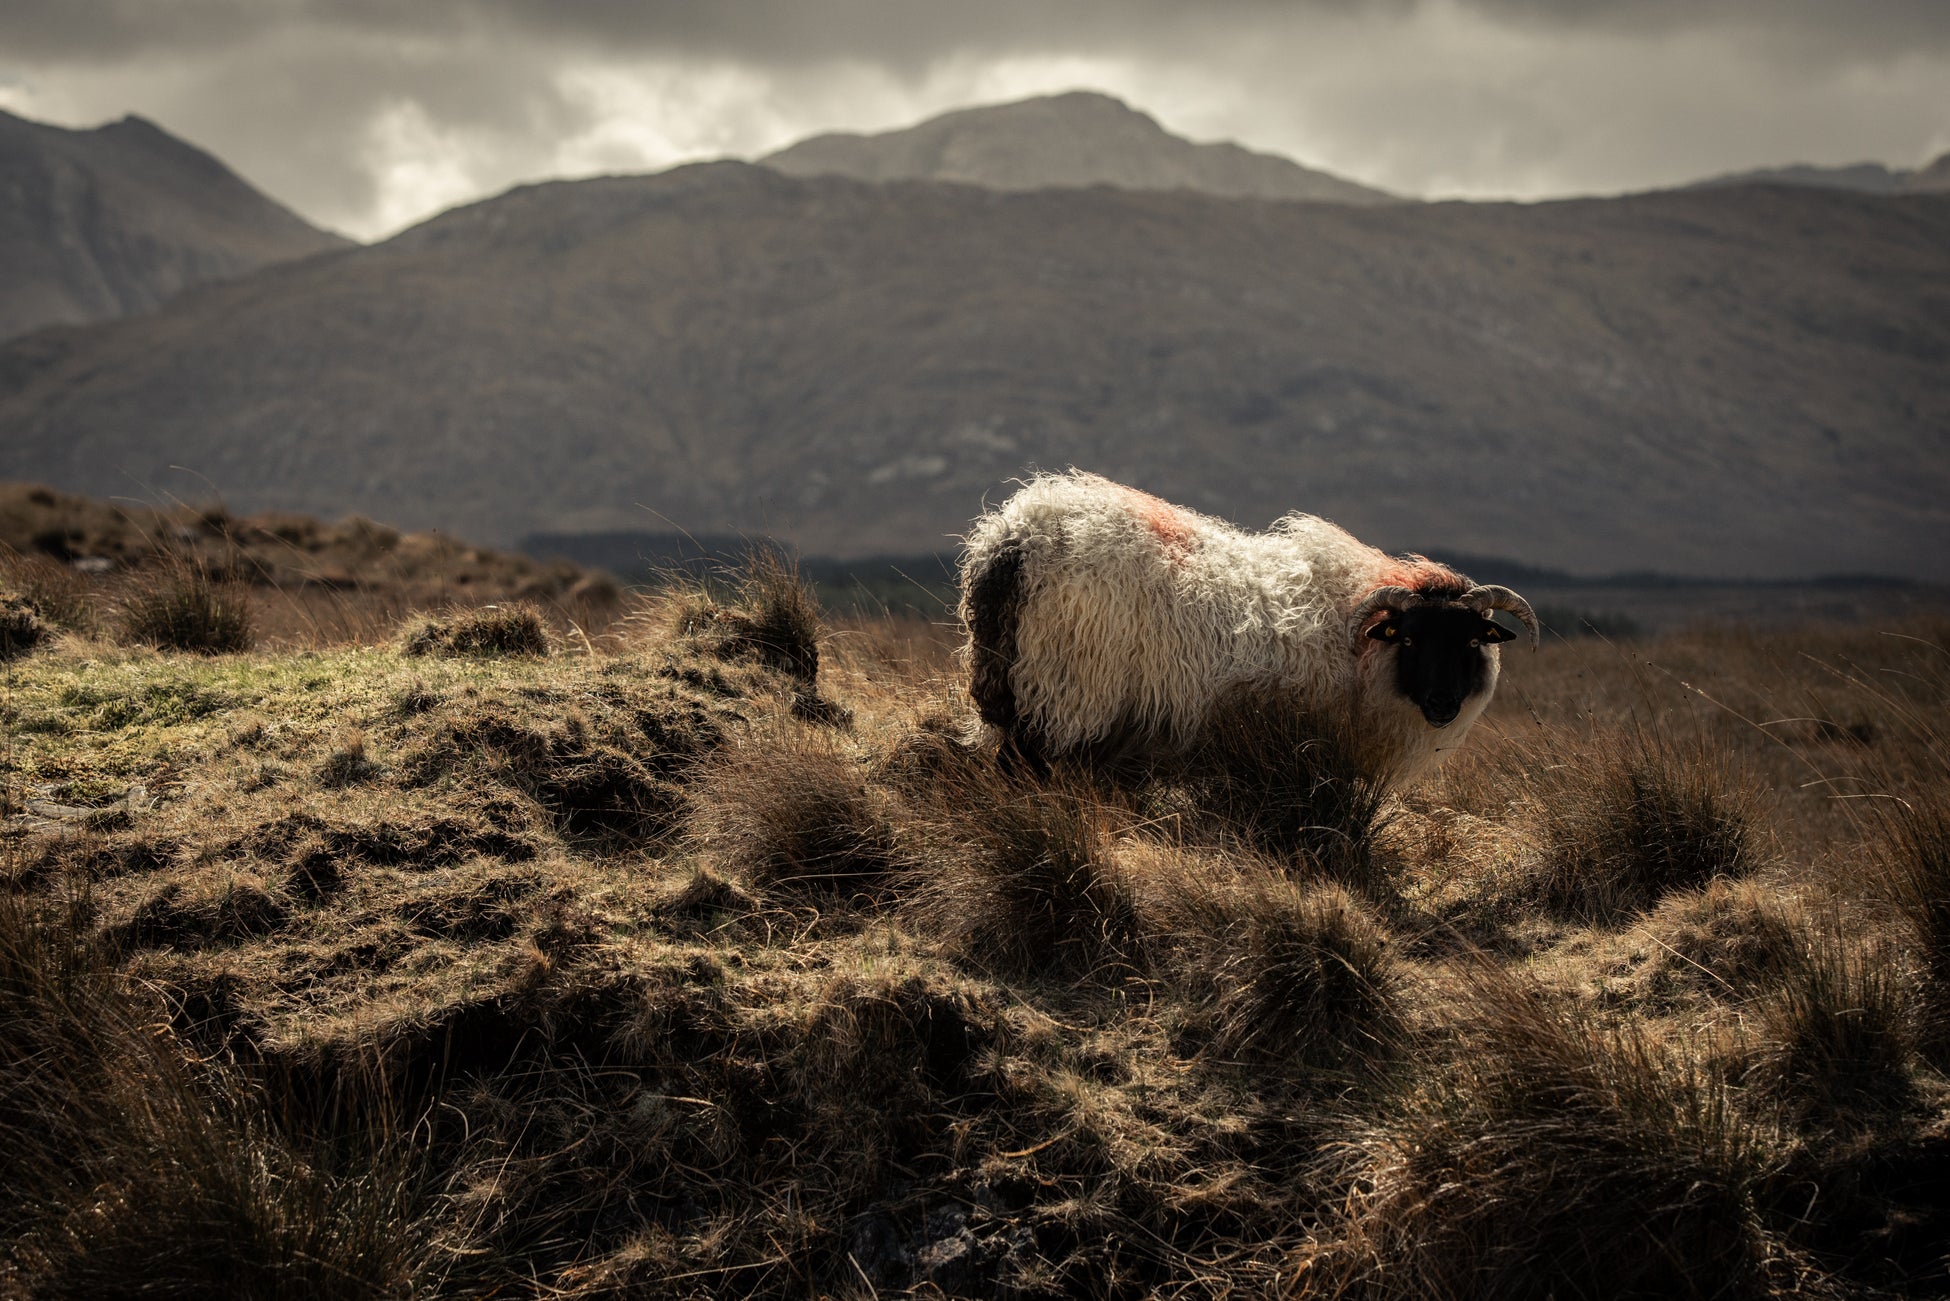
[793, 31]
[367, 113]
[1874, 23]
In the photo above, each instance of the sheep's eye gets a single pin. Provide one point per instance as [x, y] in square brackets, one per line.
[1385, 631]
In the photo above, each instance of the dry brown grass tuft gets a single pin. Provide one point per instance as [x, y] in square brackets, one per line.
[1913, 867]
[57, 593]
[930, 758]
[1555, 1158]
[1834, 1032]
[790, 806]
[1729, 939]
[1290, 784]
[1023, 878]
[1625, 818]
[1289, 971]
[768, 615]
[512, 629]
[180, 607]
[21, 629]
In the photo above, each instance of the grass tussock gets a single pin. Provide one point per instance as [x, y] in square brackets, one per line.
[1553, 1157]
[767, 613]
[1289, 784]
[1913, 867]
[1291, 972]
[183, 608]
[791, 807]
[1727, 940]
[351, 971]
[1834, 1034]
[1024, 879]
[56, 593]
[1628, 818]
[21, 629]
[514, 628]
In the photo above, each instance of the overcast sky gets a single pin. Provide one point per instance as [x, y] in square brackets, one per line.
[368, 115]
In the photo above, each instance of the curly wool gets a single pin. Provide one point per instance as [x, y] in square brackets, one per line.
[1133, 617]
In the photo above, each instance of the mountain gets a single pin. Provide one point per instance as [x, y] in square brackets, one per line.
[1863, 178]
[1077, 139]
[1748, 382]
[102, 223]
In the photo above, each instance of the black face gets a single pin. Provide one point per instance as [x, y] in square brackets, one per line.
[1439, 660]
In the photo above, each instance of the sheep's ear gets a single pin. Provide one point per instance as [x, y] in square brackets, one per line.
[1493, 632]
[1386, 630]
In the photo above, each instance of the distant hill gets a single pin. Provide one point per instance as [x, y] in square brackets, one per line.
[1080, 138]
[97, 224]
[1740, 382]
[1863, 178]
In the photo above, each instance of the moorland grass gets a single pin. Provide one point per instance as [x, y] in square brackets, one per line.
[181, 607]
[55, 593]
[21, 629]
[136, 1168]
[515, 628]
[1291, 784]
[610, 972]
[791, 807]
[1553, 1156]
[1631, 815]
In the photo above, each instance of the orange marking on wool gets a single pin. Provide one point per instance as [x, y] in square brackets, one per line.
[1420, 574]
[1417, 574]
[1166, 522]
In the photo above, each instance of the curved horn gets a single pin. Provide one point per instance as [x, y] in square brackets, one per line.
[1382, 598]
[1482, 599]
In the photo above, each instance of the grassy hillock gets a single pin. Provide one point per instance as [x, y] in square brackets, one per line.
[480, 953]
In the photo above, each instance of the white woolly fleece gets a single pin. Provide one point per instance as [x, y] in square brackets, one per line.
[1137, 616]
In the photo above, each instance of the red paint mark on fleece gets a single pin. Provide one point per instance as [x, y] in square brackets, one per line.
[1417, 574]
[1420, 574]
[1166, 522]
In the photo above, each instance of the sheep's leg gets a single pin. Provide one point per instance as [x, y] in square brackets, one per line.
[1023, 755]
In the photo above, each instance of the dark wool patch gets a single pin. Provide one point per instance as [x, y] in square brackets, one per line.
[992, 605]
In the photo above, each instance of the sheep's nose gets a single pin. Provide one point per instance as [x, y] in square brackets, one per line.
[1441, 713]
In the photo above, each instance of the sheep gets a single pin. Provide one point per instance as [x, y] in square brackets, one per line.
[1102, 621]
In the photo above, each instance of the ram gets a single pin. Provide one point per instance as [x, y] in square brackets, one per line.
[1102, 620]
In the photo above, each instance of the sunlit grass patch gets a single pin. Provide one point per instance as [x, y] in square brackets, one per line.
[513, 628]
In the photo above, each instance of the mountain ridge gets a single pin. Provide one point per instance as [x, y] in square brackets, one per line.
[115, 219]
[1746, 382]
[1863, 178]
[1078, 138]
